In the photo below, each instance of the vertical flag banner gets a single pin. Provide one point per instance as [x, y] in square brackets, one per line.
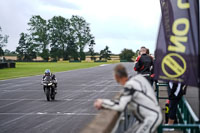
[177, 45]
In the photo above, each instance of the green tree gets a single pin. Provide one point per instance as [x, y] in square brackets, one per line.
[58, 28]
[55, 53]
[91, 49]
[26, 50]
[9, 53]
[137, 52]
[67, 38]
[105, 53]
[80, 31]
[126, 54]
[38, 30]
[3, 41]
[72, 50]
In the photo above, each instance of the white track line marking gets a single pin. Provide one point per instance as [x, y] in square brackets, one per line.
[46, 113]
[49, 121]
[104, 65]
[57, 100]
[10, 103]
[5, 84]
[18, 85]
[18, 118]
[60, 91]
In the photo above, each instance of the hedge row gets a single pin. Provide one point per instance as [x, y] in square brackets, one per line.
[35, 61]
[125, 61]
[74, 61]
[7, 65]
[101, 61]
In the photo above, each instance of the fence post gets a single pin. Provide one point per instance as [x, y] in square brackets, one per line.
[157, 91]
[160, 130]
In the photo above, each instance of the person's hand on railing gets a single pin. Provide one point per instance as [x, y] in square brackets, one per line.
[98, 104]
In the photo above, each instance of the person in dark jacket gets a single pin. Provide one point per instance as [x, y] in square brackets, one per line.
[175, 92]
[144, 64]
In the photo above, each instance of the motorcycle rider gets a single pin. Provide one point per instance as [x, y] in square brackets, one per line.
[53, 78]
[139, 97]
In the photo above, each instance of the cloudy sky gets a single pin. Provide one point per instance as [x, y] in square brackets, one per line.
[116, 23]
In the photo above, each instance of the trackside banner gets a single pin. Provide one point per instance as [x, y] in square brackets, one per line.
[177, 45]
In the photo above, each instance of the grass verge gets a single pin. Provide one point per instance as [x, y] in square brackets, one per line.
[30, 69]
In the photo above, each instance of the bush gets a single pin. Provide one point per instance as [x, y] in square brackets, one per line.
[74, 61]
[37, 61]
[101, 61]
[127, 55]
[124, 61]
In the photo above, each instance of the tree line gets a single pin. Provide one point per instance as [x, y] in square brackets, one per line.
[3, 41]
[57, 38]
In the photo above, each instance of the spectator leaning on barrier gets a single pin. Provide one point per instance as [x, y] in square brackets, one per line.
[144, 63]
[139, 97]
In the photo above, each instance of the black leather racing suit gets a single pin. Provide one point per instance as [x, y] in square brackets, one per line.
[143, 66]
[53, 78]
[139, 97]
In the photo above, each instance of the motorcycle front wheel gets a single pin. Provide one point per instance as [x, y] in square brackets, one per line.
[47, 92]
[53, 94]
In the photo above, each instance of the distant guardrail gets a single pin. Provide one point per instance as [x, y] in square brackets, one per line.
[74, 61]
[100, 61]
[126, 61]
[33, 61]
[7, 65]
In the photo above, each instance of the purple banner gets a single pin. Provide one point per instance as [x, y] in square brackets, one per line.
[177, 45]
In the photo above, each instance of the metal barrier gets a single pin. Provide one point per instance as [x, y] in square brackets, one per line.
[124, 122]
[189, 122]
[157, 85]
[106, 121]
[186, 128]
[109, 121]
[186, 113]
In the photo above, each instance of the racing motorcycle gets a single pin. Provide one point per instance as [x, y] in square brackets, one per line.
[49, 88]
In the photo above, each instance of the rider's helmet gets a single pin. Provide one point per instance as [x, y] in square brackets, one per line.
[47, 72]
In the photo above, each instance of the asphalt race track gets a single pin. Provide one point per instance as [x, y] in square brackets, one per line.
[24, 109]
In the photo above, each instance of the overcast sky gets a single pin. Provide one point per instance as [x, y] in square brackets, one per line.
[116, 23]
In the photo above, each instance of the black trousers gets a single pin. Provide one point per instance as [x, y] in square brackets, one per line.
[173, 105]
